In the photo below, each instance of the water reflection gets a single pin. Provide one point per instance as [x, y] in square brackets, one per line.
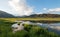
[55, 27]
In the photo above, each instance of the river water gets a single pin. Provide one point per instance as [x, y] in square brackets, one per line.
[54, 27]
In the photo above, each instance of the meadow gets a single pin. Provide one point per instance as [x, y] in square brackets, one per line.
[33, 19]
[30, 30]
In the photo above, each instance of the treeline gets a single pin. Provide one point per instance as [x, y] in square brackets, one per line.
[45, 15]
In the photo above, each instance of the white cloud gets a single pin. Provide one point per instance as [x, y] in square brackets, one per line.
[21, 7]
[54, 10]
[38, 13]
[51, 11]
[44, 8]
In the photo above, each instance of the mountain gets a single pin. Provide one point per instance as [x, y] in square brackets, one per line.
[5, 15]
[44, 15]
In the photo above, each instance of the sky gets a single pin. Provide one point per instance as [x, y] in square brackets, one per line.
[28, 7]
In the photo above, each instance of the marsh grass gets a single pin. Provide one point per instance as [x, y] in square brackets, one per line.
[30, 30]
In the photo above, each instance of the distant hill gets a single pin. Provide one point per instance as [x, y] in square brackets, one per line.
[5, 15]
[45, 15]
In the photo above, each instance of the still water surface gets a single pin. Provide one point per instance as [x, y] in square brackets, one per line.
[54, 27]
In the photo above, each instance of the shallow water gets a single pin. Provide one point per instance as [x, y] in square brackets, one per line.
[54, 27]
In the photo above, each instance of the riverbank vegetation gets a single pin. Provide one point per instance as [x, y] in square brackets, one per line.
[44, 20]
[29, 30]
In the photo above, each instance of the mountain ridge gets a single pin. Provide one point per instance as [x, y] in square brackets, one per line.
[4, 14]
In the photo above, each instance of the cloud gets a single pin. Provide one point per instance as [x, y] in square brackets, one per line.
[21, 7]
[51, 11]
[44, 8]
[54, 10]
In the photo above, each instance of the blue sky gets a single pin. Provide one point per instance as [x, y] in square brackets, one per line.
[44, 3]
[38, 6]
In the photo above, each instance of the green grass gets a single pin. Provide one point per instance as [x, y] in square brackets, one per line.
[30, 31]
[34, 19]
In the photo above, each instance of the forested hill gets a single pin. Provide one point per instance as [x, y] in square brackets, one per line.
[45, 15]
[5, 15]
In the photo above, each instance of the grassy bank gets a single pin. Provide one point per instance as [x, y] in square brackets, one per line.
[34, 19]
[30, 31]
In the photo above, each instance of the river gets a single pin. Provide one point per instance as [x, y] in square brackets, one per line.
[54, 27]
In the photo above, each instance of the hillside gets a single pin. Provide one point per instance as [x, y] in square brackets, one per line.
[5, 15]
[45, 15]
